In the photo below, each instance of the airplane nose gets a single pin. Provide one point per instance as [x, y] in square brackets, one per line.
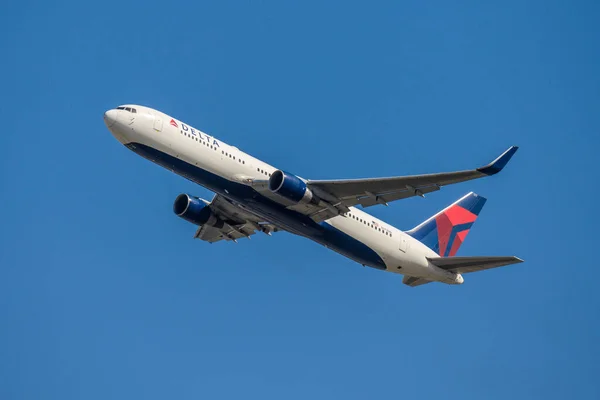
[110, 117]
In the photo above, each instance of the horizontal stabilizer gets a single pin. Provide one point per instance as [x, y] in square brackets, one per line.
[463, 265]
[414, 281]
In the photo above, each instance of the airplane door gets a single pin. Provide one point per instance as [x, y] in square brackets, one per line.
[158, 124]
[403, 244]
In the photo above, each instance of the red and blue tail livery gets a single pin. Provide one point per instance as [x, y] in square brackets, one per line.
[446, 231]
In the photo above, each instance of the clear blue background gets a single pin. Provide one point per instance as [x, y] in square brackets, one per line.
[104, 294]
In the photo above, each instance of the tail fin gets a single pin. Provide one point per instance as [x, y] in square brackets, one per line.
[447, 230]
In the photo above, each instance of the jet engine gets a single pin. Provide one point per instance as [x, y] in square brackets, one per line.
[196, 210]
[291, 187]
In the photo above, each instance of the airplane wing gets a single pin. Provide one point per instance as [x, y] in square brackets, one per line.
[372, 191]
[464, 265]
[237, 223]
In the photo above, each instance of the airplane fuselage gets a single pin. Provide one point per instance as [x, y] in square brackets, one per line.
[230, 172]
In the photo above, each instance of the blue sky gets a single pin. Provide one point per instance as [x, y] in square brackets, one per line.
[104, 294]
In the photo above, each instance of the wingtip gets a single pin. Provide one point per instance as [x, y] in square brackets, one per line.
[499, 163]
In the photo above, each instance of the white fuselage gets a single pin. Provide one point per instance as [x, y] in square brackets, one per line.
[216, 165]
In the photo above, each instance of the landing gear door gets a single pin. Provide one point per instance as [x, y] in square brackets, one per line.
[158, 124]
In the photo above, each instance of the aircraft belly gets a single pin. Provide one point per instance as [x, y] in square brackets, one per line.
[349, 246]
[242, 194]
[247, 198]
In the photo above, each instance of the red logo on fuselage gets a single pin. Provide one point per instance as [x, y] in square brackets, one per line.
[174, 123]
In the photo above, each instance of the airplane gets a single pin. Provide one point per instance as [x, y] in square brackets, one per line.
[253, 196]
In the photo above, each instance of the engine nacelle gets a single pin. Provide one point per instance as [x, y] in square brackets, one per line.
[196, 211]
[290, 187]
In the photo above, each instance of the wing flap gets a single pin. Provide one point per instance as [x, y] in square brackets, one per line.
[209, 234]
[384, 198]
[237, 223]
[464, 265]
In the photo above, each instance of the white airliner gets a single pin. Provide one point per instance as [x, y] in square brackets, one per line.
[253, 196]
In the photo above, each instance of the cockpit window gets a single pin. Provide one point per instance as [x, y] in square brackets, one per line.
[131, 110]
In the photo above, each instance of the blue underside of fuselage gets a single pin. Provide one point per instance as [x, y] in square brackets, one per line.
[266, 208]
